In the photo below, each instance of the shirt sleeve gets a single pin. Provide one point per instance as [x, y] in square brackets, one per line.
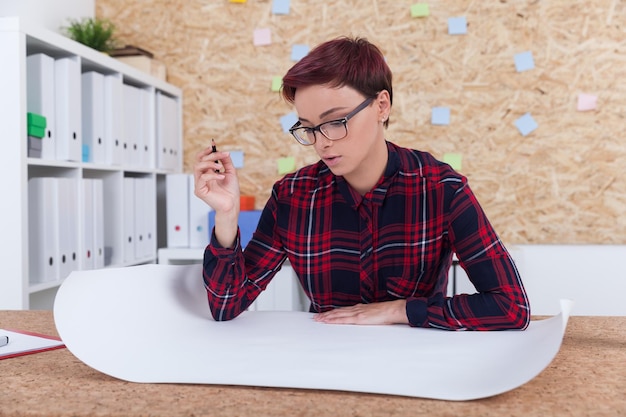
[234, 278]
[500, 302]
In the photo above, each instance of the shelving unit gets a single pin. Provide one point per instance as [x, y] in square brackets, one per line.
[161, 143]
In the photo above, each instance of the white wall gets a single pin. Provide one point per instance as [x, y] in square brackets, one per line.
[593, 276]
[51, 14]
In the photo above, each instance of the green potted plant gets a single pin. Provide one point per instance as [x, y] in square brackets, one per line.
[96, 33]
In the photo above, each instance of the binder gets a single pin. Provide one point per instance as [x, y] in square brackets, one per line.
[147, 129]
[113, 119]
[98, 223]
[168, 132]
[129, 219]
[43, 230]
[67, 90]
[68, 234]
[93, 116]
[198, 218]
[150, 215]
[140, 219]
[40, 99]
[177, 210]
[132, 125]
[87, 257]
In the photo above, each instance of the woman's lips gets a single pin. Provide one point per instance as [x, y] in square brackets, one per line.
[331, 160]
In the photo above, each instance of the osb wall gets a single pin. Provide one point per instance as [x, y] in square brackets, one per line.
[563, 183]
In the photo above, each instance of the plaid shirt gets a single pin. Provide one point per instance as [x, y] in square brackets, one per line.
[395, 242]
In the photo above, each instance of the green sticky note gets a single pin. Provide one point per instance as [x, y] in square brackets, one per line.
[454, 160]
[277, 81]
[286, 165]
[420, 10]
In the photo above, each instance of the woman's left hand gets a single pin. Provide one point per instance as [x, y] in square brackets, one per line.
[387, 312]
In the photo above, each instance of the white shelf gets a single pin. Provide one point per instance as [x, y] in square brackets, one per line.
[18, 40]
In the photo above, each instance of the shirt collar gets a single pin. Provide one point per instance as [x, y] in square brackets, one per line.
[378, 193]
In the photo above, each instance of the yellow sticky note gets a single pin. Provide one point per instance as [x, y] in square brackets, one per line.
[237, 1]
[277, 82]
[420, 10]
[454, 160]
[286, 165]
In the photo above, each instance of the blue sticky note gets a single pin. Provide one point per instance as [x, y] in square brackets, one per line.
[457, 25]
[440, 116]
[299, 51]
[288, 120]
[524, 61]
[237, 158]
[280, 7]
[526, 124]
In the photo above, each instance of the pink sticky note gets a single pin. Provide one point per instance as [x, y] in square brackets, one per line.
[262, 37]
[586, 102]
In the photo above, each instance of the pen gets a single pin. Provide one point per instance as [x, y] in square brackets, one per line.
[4, 340]
[214, 149]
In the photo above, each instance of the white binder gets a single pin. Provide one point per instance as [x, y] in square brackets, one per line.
[68, 226]
[132, 124]
[67, 90]
[113, 119]
[98, 223]
[129, 219]
[140, 219]
[93, 116]
[150, 215]
[168, 132]
[198, 218]
[147, 129]
[177, 210]
[43, 230]
[87, 255]
[40, 98]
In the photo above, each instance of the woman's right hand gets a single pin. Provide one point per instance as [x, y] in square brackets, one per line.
[216, 183]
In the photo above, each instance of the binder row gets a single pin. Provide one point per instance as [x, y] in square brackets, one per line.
[187, 216]
[71, 227]
[99, 118]
[56, 247]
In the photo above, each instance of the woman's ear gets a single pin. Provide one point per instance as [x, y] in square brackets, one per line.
[383, 104]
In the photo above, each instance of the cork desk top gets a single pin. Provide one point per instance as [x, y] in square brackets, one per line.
[586, 378]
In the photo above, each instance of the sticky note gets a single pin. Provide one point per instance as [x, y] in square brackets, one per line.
[526, 124]
[454, 160]
[262, 37]
[286, 165]
[524, 61]
[457, 26]
[299, 51]
[440, 116]
[288, 120]
[280, 6]
[237, 158]
[420, 10]
[586, 102]
[277, 82]
[237, 1]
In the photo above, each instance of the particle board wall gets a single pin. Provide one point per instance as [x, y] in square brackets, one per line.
[562, 183]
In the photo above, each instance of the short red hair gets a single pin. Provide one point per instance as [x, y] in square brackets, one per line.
[352, 62]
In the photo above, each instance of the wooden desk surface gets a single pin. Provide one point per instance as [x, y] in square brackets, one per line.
[587, 378]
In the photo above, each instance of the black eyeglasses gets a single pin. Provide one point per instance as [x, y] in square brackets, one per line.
[332, 130]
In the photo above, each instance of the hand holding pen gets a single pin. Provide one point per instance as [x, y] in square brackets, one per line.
[219, 189]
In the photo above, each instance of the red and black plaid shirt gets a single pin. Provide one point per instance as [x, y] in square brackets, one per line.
[395, 242]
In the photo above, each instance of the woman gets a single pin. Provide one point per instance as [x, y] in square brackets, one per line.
[371, 228]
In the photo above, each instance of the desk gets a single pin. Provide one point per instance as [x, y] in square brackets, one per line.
[587, 378]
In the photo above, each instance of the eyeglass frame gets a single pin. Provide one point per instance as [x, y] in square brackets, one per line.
[318, 128]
